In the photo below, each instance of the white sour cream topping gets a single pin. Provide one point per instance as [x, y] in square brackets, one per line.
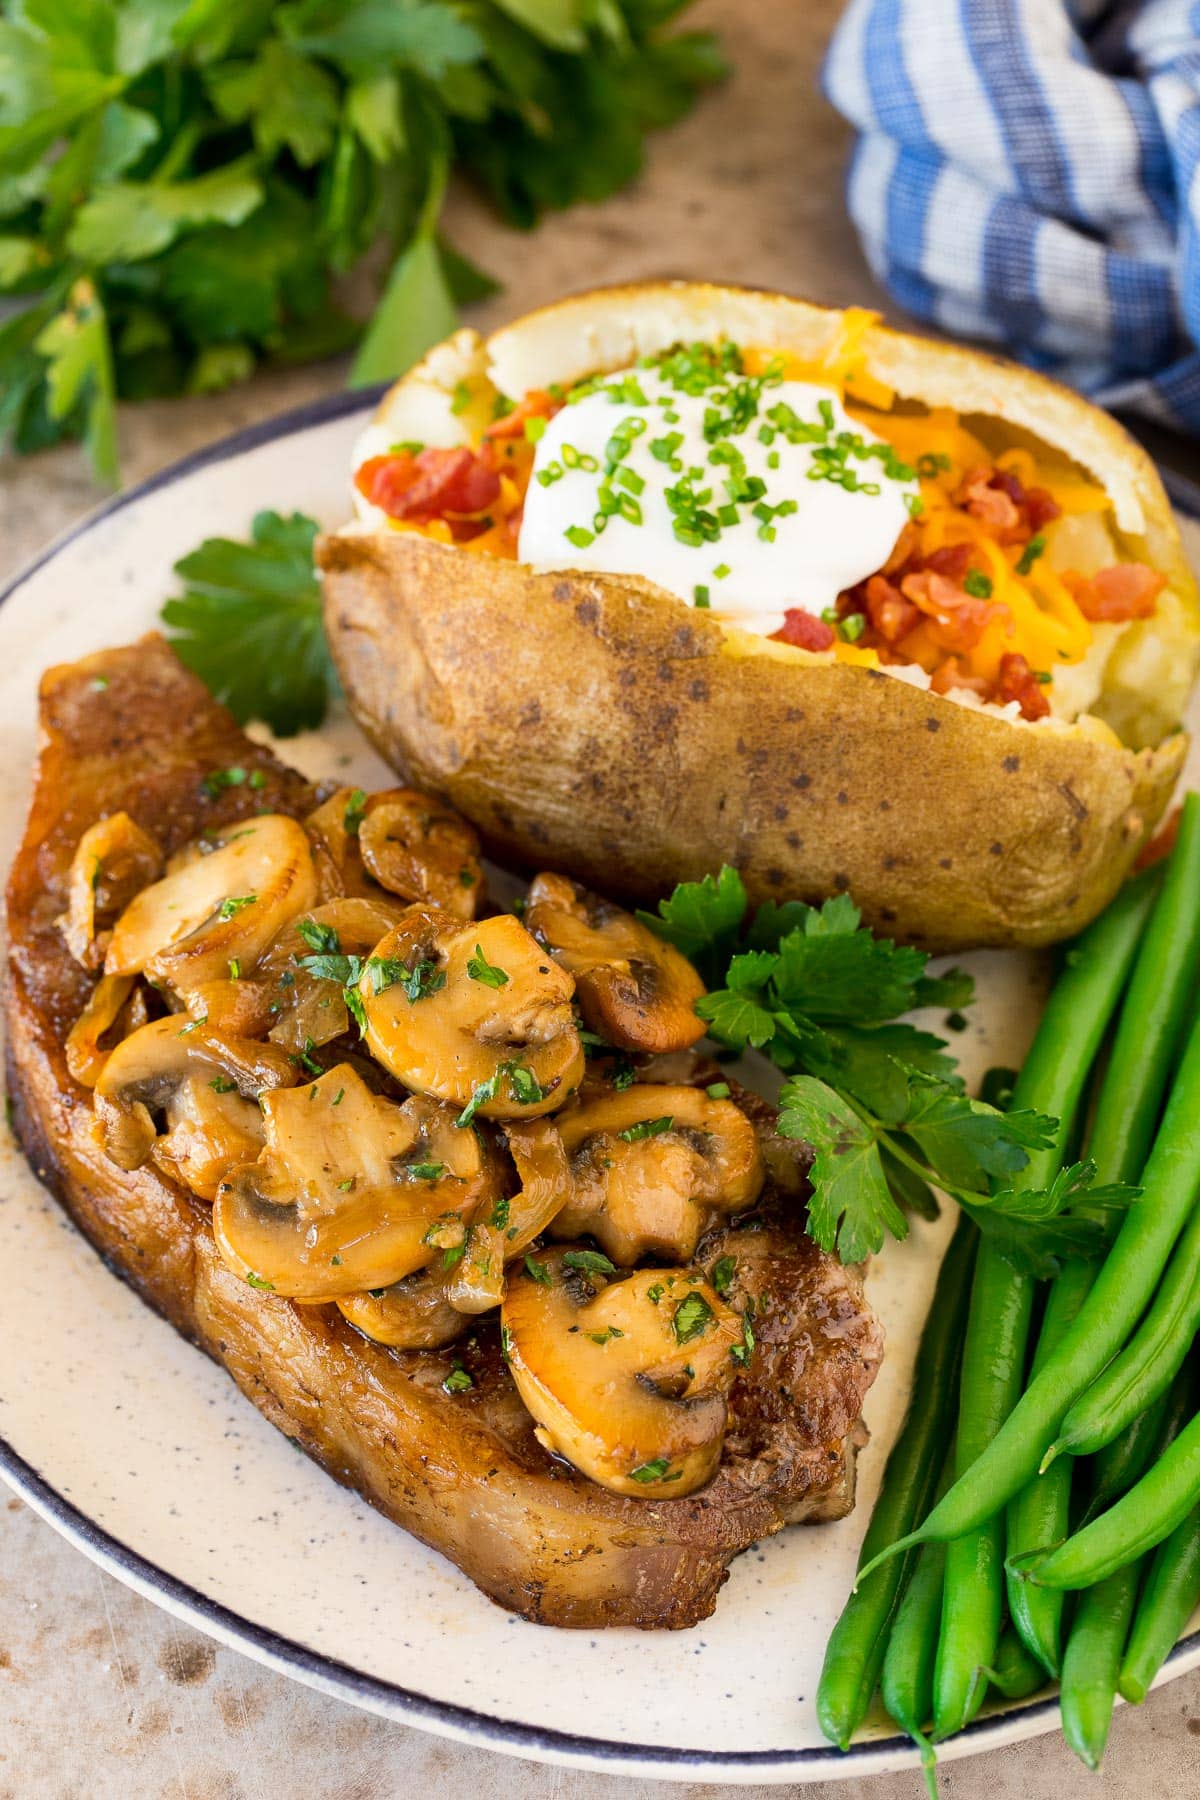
[832, 539]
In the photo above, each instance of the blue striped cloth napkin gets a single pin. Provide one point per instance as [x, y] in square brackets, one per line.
[1028, 171]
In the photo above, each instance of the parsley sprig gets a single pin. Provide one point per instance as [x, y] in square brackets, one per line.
[879, 1100]
[248, 623]
[182, 186]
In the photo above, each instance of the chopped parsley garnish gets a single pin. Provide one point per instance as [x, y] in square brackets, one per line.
[259, 1281]
[458, 1381]
[658, 1470]
[480, 969]
[427, 1171]
[500, 1213]
[193, 1025]
[217, 780]
[235, 904]
[654, 1294]
[356, 807]
[591, 1262]
[221, 1084]
[605, 1336]
[538, 1271]
[723, 1272]
[646, 1128]
[693, 1315]
[319, 936]
[742, 1353]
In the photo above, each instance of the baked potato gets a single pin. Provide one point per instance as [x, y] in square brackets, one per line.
[968, 719]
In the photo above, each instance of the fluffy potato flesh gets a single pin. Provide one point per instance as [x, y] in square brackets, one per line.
[594, 723]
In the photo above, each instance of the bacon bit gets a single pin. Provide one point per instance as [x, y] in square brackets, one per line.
[952, 561]
[888, 612]
[1009, 511]
[1126, 591]
[1017, 681]
[951, 674]
[1162, 843]
[435, 484]
[537, 404]
[961, 617]
[805, 631]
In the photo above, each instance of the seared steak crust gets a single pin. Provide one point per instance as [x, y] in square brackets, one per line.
[132, 729]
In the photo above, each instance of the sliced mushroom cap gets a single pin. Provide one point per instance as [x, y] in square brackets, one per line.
[476, 1284]
[422, 850]
[477, 1014]
[211, 1128]
[333, 833]
[352, 1192]
[115, 859]
[636, 991]
[650, 1166]
[303, 972]
[222, 908]
[143, 1077]
[627, 1379]
[413, 1314]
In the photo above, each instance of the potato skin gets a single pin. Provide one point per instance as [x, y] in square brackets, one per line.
[596, 726]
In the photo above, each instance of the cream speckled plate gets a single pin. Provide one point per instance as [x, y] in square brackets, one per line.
[143, 1454]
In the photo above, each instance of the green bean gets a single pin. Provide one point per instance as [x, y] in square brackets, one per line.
[1119, 1295]
[1093, 1659]
[1155, 1014]
[1015, 1673]
[1040, 1513]
[1169, 1598]
[973, 1594]
[855, 1650]
[906, 1679]
[1148, 1364]
[1149, 1512]
[1121, 1463]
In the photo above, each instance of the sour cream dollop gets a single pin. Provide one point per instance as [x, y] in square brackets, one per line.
[805, 501]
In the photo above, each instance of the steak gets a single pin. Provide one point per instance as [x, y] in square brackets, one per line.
[132, 729]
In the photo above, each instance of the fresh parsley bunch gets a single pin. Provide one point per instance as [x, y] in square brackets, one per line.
[182, 181]
[880, 1101]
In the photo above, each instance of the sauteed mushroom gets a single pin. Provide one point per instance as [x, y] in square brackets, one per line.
[422, 850]
[413, 1314]
[477, 1282]
[636, 991]
[407, 842]
[115, 858]
[651, 1165]
[477, 1014]
[205, 1087]
[352, 1192]
[221, 908]
[628, 1379]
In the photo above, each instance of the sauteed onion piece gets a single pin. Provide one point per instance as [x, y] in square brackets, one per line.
[216, 909]
[352, 1191]
[636, 991]
[628, 1379]
[477, 1282]
[650, 1166]
[114, 860]
[477, 1014]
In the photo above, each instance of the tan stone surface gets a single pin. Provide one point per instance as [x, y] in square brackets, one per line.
[100, 1693]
